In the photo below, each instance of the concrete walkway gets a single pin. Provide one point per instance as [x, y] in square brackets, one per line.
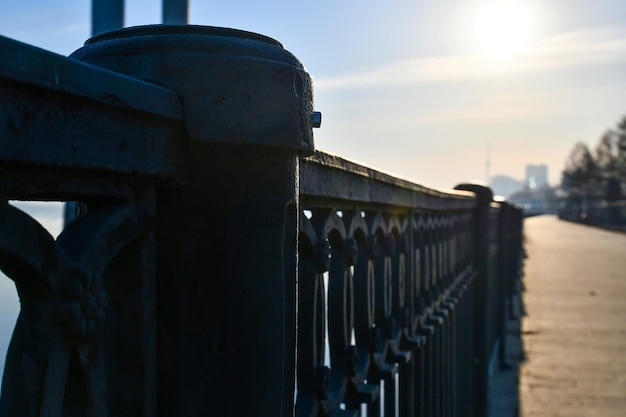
[574, 333]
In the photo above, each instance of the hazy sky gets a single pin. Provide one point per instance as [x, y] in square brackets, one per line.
[411, 87]
[418, 88]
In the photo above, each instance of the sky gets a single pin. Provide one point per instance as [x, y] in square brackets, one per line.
[426, 90]
[412, 87]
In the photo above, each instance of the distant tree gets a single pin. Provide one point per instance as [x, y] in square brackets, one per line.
[620, 144]
[581, 170]
[590, 177]
[607, 161]
[606, 152]
[602, 171]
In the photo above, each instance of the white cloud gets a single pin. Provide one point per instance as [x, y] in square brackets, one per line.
[602, 45]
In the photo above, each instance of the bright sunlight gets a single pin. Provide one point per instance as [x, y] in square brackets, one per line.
[503, 29]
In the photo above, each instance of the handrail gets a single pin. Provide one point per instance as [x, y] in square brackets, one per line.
[330, 177]
[220, 266]
[39, 68]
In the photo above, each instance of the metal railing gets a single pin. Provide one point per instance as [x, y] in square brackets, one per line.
[596, 211]
[219, 266]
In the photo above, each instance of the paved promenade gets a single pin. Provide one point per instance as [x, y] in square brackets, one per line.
[574, 333]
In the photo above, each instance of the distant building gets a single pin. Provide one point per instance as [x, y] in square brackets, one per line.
[505, 186]
[536, 176]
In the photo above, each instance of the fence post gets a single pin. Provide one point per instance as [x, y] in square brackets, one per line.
[106, 15]
[483, 292]
[226, 240]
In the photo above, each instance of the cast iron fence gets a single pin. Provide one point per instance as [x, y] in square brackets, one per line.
[217, 266]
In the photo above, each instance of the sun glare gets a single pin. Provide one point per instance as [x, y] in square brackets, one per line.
[503, 29]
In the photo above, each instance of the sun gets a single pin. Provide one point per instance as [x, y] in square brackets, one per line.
[503, 29]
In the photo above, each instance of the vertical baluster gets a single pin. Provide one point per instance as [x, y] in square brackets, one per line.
[312, 374]
[419, 362]
[361, 390]
[481, 237]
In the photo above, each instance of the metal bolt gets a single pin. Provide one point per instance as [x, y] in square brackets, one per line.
[316, 119]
